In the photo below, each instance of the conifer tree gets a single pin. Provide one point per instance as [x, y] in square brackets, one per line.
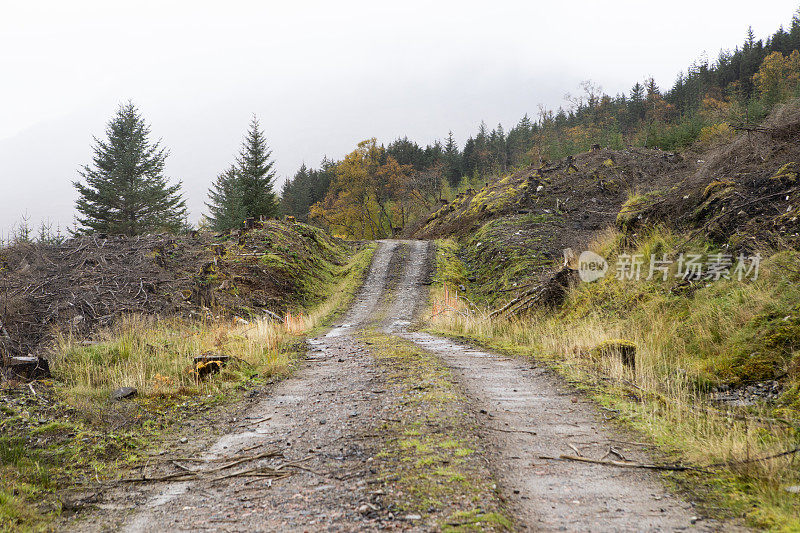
[256, 176]
[125, 191]
[226, 210]
[452, 161]
[245, 189]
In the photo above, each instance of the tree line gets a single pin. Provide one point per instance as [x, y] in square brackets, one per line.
[703, 105]
[376, 189]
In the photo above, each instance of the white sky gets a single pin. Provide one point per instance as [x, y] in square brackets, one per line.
[320, 76]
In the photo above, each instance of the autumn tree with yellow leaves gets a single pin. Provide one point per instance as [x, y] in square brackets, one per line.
[371, 195]
[778, 77]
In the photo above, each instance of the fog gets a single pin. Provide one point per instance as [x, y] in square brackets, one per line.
[320, 76]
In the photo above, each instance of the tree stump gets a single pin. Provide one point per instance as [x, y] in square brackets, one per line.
[28, 368]
[622, 349]
[209, 363]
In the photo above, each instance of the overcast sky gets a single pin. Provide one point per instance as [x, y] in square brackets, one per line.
[320, 76]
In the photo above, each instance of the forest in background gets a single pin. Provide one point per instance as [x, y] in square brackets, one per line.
[378, 189]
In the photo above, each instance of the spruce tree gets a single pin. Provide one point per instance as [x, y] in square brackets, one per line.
[245, 189]
[452, 161]
[226, 210]
[125, 191]
[255, 175]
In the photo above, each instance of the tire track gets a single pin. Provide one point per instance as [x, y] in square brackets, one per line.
[528, 412]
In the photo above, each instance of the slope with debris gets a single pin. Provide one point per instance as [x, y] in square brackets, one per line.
[91, 281]
[742, 195]
[705, 361]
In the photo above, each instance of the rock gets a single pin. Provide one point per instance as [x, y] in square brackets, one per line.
[72, 502]
[184, 440]
[124, 393]
[792, 489]
[412, 517]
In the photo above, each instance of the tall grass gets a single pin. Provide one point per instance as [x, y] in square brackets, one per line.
[157, 356]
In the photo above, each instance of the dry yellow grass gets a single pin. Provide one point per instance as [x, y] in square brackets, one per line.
[682, 343]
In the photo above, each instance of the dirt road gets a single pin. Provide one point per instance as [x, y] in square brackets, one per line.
[324, 422]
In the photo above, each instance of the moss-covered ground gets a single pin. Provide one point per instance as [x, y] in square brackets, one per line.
[432, 462]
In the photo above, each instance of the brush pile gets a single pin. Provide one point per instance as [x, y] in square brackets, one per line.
[89, 281]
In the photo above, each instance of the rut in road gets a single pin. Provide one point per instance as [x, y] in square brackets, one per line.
[327, 414]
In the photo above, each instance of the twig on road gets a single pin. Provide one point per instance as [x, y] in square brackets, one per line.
[622, 464]
[677, 468]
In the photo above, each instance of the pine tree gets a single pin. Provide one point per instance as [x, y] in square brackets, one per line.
[255, 175]
[750, 40]
[226, 210]
[125, 190]
[636, 103]
[498, 149]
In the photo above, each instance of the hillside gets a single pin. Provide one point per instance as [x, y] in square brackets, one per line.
[741, 194]
[90, 282]
[704, 347]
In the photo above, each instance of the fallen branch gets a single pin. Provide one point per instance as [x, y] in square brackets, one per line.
[240, 461]
[677, 468]
[257, 472]
[513, 430]
[179, 476]
[621, 464]
[271, 453]
[575, 449]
